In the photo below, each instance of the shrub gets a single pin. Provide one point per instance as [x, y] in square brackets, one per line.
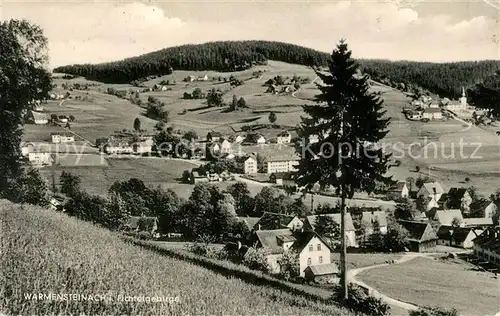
[360, 302]
[255, 260]
[434, 311]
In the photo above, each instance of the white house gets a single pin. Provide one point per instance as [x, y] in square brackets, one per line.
[238, 139]
[434, 105]
[284, 138]
[432, 114]
[310, 225]
[250, 165]
[39, 158]
[433, 191]
[62, 137]
[118, 147]
[225, 146]
[490, 210]
[274, 164]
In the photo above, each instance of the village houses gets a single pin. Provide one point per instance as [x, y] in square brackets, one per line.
[270, 221]
[274, 164]
[62, 137]
[459, 106]
[284, 138]
[399, 191]
[422, 236]
[40, 158]
[38, 118]
[462, 237]
[431, 191]
[432, 113]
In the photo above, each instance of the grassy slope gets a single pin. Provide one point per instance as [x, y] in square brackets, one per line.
[48, 252]
[427, 282]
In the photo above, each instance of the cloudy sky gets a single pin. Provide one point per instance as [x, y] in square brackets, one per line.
[433, 30]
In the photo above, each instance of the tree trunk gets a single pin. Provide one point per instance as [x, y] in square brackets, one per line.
[343, 246]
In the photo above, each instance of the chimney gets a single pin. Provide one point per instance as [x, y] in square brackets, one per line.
[239, 245]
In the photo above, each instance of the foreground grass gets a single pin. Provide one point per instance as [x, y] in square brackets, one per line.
[428, 282]
[47, 252]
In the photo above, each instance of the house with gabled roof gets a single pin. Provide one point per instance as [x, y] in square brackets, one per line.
[462, 237]
[487, 246]
[432, 191]
[373, 219]
[148, 224]
[310, 225]
[398, 191]
[270, 221]
[38, 118]
[422, 236]
[213, 136]
[478, 221]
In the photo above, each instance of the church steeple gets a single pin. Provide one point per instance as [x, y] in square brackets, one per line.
[463, 99]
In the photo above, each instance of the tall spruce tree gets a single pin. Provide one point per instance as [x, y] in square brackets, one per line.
[347, 120]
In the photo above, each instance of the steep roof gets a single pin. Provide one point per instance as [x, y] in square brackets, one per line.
[311, 219]
[368, 218]
[269, 238]
[458, 234]
[433, 188]
[249, 221]
[419, 231]
[145, 223]
[274, 221]
[39, 116]
[445, 217]
[399, 186]
[323, 269]
[303, 238]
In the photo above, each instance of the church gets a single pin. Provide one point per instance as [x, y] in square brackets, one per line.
[461, 105]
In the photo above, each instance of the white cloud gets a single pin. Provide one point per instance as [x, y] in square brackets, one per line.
[96, 32]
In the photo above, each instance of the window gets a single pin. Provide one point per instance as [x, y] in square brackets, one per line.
[308, 261]
[311, 248]
[320, 259]
[318, 247]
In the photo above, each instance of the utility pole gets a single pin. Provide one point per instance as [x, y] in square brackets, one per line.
[53, 173]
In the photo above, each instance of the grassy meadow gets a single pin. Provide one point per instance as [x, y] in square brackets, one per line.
[428, 282]
[48, 252]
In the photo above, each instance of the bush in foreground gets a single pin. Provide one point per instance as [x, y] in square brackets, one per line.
[361, 302]
[434, 311]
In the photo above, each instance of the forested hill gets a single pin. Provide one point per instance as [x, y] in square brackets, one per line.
[218, 56]
[445, 79]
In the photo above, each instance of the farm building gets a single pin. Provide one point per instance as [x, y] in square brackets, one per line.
[432, 114]
[115, 146]
[398, 191]
[458, 198]
[462, 237]
[490, 210]
[196, 178]
[273, 164]
[422, 236]
[323, 273]
[446, 217]
[433, 191]
[62, 137]
[350, 231]
[284, 138]
[414, 115]
[487, 246]
[38, 118]
[255, 139]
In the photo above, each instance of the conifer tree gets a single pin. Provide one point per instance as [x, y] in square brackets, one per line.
[346, 121]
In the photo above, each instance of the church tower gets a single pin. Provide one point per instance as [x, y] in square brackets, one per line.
[463, 99]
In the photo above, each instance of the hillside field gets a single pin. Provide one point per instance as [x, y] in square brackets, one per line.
[49, 253]
[437, 283]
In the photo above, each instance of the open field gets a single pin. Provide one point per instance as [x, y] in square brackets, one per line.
[49, 253]
[424, 281]
[361, 260]
[98, 179]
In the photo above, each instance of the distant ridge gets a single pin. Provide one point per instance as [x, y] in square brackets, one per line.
[445, 79]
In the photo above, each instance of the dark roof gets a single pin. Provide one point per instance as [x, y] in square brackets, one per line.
[399, 186]
[283, 175]
[432, 110]
[454, 197]
[144, 223]
[284, 133]
[489, 239]
[270, 221]
[458, 234]
[214, 134]
[419, 231]
[62, 134]
[249, 221]
[323, 269]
